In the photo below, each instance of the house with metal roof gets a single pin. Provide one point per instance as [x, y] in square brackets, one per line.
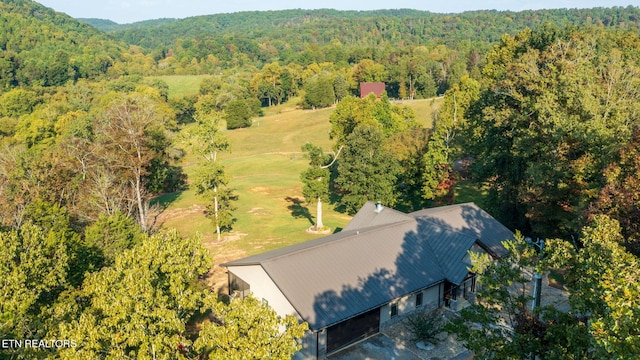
[383, 264]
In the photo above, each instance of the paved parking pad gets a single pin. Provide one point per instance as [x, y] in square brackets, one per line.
[378, 347]
[394, 343]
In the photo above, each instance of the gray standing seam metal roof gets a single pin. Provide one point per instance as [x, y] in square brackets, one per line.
[367, 217]
[470, 219]
[374, 260]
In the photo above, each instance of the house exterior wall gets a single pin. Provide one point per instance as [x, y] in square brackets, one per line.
[314, 344]
[432, 297]
[237, 286]
[263, 288]
[322, 343]
[407, 304]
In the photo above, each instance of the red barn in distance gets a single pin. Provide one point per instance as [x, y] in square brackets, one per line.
[367, 88]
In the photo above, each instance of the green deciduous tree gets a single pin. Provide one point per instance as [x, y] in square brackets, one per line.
[316, 180]
[438, 177]
[602, 278]
[248, 329]
[139, 306]
[444, 145]
[369, 71]
[110, 235]
[319, 91]
[33, 268]
[268, 84]
[340, 86]
[620, 196]
[352, 111]
[238, 115]
[500, 325]
[211, 183]
[553, 110]
[367, 171]
[409, 147]
[206, 139]
[18, 102]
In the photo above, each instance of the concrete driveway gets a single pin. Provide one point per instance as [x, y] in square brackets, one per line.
[378, 347]
[394, 343]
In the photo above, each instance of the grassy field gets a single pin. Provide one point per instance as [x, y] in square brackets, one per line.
[470, 191]
[182, 85]
[265, 163]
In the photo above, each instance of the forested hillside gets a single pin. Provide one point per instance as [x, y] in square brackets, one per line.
[109, 26]
[92, 145]
[304, 36]
[42, 47]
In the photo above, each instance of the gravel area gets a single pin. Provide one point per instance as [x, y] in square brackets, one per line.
[394, 343]
[446, 348]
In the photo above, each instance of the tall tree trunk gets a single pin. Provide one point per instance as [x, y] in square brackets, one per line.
[319, 224]
[142, 216]
[215, 210]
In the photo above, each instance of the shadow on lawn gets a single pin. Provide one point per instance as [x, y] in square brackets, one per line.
[298, 210]
[164, 200]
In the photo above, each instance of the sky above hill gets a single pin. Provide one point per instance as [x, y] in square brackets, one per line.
[127, 11]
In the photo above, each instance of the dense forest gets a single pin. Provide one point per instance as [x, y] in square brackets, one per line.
[543, 105]
[293, 31]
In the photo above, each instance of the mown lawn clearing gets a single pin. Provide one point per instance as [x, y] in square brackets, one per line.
[182, 85]
[265, 163]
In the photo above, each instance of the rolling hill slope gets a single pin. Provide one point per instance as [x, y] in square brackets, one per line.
[265, 164]
[47, 48]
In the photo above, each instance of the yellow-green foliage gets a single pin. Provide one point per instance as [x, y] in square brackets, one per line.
[248, 329]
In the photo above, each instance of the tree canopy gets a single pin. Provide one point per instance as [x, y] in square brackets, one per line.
[548, 115]
[553, 112]
[602, 281]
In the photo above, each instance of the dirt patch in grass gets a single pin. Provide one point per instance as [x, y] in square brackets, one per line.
[180, 213]
[217, 276]
[260, 190]
[256, 211]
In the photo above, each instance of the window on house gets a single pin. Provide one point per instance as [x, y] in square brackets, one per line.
[418, 299]
[394, 310]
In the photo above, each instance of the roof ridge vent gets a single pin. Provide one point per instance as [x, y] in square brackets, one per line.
[379, 207]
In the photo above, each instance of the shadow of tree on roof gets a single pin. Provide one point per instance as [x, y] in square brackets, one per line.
[486, 228]
[432, 250]
[415, 267]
